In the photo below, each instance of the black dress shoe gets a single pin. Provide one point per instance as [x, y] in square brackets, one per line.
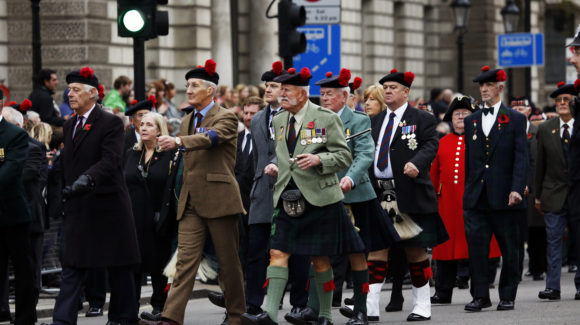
[253, 310]
[359, 318]
[346, 312]
[154, 317]
[577, 295]
[349, 301]
[94, 312]
[337, 299]
[394, 305]
[111, 322]
[506, 305]
[217, 298]
[477, 304]
[260, 319]
[416, 318]
[572, 269]
[301, 316]
[437, 299]
[324, 321]
[550, 294]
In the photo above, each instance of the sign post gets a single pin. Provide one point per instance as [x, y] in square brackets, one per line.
[520, 50]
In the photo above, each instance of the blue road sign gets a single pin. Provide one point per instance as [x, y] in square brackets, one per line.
[520, 50]
[322, 52]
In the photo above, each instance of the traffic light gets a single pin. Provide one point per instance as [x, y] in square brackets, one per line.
[290, 41]
[141, 19]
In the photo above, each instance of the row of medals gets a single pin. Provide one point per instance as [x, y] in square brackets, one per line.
[408, 136]
[310, 137]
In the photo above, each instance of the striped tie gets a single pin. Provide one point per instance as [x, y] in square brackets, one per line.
[292, 139]
[383, 160]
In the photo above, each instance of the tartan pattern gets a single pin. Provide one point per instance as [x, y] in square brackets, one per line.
[383, 159]
[375, 227]
[320, 231]
[292, 138]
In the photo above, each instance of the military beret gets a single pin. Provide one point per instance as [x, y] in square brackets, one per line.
[85, 76]
[488, 75]
[339, 81]
[459, 103]
[520, 101]
[206, 72]
[404, 78]
[576, 41]
[295, 78]
[147, 104]
[277, 70]
[1, 94]
[563, 88]
[355, 84]
[22, 107]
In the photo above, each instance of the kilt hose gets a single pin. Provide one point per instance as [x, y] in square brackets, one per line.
[479, 227]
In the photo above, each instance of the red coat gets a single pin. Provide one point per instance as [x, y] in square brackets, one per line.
[448, 176]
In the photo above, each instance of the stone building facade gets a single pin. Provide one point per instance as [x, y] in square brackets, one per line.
[377, 35]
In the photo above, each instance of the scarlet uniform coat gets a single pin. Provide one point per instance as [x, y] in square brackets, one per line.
[448, 176]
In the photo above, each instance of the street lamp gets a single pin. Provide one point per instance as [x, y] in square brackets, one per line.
[510, 14]
[461, 16]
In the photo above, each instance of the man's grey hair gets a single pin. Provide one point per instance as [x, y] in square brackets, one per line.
[307, 89]
[13, 116]
[33, 116]
[88, 89]
[208, 84]
[501, 83]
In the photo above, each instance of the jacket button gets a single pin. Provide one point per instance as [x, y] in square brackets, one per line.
[166, 204]
[486, 166]
[482, 180]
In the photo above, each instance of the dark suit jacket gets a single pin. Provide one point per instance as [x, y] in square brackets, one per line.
[99, 229]
[244, 171]
[43, 104]
[535, 219]
[129, 140]
[574, 170]
[14, 209]
[504, 170]
[34, 168]
[414, 195]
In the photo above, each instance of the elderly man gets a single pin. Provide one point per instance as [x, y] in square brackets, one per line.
[97, 210]
[496, 162]
[208, 140]
[552, 186]
[309, 217]
[15, 218]
[406, 144]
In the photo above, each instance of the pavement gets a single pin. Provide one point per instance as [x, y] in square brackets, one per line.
[528, 310]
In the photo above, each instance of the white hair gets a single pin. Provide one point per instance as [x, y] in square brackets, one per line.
[208, 84]
[88, 89]
[13, 116]
[501, 83]
[307, 89]
[33, 116]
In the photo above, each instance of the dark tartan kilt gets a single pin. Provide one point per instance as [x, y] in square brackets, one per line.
[433, 234]
[320, 231]
[375, 227]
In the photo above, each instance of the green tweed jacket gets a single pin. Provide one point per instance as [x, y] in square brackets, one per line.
[319, 185]
[363, 152]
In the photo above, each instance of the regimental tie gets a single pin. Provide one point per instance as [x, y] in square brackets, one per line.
[292, 138]
[79, 126]
[383, 159]
[565, 137]
[198, 117]
[246, 150]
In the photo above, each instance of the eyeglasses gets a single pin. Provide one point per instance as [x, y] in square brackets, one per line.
[461, 114]
[144, 173]
[563, 99]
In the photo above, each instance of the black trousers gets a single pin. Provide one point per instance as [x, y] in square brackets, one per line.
[257, 263]
[537, 249]
[96, 287]
[158, 283]
[122, 306]
[15, 244]
[448, 271]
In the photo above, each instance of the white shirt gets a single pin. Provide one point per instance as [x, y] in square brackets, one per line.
[528, 127]
[84, 121]
[388, 172]
[570, 124]
[245, 141]
[488, 120]
[137, 135]
[272, 110]
[0, 117]
[298, 117]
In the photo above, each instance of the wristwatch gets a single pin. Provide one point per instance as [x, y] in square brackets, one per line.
[178, 141]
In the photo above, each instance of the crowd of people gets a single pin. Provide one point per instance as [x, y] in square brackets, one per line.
[265, 187]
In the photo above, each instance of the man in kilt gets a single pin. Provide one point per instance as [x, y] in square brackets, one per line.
[309, 218]
[406, 144]
[496, 162]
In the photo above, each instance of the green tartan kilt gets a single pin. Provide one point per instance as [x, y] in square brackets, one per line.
[433, 234]
[320, 231]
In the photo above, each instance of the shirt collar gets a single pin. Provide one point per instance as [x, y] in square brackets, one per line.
[570, 123]
[86, 115]
[340, 112]
[206, 109]
[1, 117]
[299, 116]
[247, 131]
[399, 111]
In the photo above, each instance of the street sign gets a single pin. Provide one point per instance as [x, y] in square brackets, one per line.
[520, 50]
[322, 52]
[321, 12]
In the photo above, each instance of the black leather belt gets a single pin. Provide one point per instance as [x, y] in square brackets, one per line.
[386, 183]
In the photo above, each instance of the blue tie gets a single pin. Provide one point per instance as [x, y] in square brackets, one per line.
[383, 159]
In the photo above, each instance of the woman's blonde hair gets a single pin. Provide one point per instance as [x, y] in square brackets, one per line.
[42, 132]
[161, 125]
[377, 92]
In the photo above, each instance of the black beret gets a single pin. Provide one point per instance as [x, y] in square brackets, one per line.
[85, 76]
[576, 41]
[563, 88]
[1, 94]
[520, 101]
[405, 79]
[488, 75]
[295, 78]
[147, 104]
[459, 103]
[206, 72]
[339, 81]
[277, 70]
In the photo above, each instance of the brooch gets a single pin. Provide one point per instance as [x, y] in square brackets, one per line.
[412, 144]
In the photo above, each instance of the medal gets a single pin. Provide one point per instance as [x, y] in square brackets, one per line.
[281, 133]
[2, 155]
[413, 136]
[323, 135]
[303, 137]
[474, 137]
[404, 136]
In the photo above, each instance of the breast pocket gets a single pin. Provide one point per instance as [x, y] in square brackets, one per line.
[222, 178]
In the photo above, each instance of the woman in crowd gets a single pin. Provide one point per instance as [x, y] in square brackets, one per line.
[42, 132]
[147, 170]
[373, 100]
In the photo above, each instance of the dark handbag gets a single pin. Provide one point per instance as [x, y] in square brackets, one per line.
[293, 203]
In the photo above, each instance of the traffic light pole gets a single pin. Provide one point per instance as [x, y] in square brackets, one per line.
[36, 43]
[139, 67]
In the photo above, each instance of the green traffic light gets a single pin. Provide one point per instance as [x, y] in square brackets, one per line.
[133, 20]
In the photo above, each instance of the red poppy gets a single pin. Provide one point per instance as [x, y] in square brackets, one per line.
[503, 119]
[530, 135]
[311, 125]
[87, 127]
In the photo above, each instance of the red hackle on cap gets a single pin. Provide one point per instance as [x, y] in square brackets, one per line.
[291, 70]
[501, 76]
[344, 77]
[152, 99]
[12, 103]
[394, 71]
[101, 91]
[328, 74]
[304, 73]
[25, 105]
[87, 72]
[356, 83]
[577, 85]
[485, 68]
[210, 67]
[133, 102]
[277, 67]
[409, 77]
[560, 84]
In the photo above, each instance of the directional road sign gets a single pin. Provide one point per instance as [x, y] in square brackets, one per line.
[520, 50]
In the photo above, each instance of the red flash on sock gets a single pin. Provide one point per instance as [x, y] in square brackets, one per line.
[428, 272]
[329, 286]
[167, 287]
[266, 284]
[365, 287]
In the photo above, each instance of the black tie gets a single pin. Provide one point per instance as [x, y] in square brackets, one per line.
[246, 151]
[79, 126]
[565, 140]
[272, 113]
[487, 110]
[292, 138]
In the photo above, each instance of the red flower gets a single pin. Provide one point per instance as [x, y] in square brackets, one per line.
[344, 77]
[560, 84]
[530, 135]
[409, 77]
[87, 127]
[210, 67]
[101, 92]
[501, 76]
[87, 72]
[277, 67]
[133, 102]
[485, 68]
[503, 119]
[311, 125]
